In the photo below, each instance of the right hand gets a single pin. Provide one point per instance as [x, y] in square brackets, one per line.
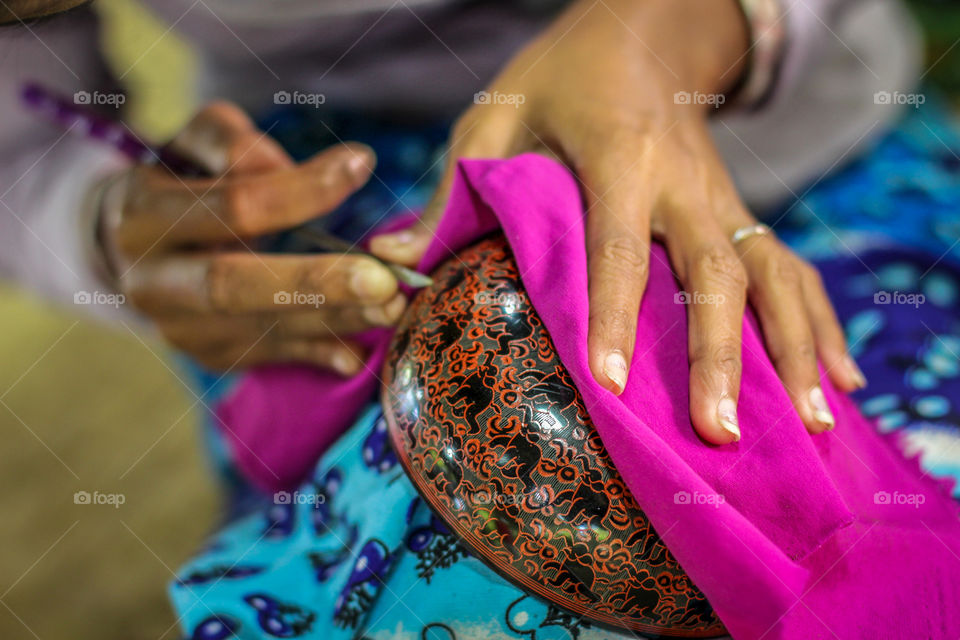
[180, 249]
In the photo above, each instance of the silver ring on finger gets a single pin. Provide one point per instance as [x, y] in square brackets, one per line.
[749, 231]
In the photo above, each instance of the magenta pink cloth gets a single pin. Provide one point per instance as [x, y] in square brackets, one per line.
[789, 535]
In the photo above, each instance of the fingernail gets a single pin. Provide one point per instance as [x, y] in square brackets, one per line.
[376, 316]
[394, 308]
[727, 417]
[372, 282]
[856, 373]
[344, 363]
[399, 238]
[390, 243]
[358, 164]
[615, 368]
[821, 410]
[385, 315]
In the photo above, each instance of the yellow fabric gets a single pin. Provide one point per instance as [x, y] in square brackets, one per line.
[156, 67]
[86, 408]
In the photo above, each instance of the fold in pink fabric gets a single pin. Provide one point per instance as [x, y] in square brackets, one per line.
[789, 535]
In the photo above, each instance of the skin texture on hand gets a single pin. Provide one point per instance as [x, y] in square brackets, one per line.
[622, 92]
[183, 250]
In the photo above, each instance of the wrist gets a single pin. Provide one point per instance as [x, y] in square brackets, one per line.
[701, 45]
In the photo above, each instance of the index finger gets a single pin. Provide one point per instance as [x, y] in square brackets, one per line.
[166, 210]
[240, 282]
[618, 257]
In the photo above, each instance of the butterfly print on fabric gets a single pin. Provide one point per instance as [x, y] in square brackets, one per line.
[280, 619]
[369, 570]
[216, 627]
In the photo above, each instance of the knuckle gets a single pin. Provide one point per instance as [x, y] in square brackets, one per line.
[217, 283]
[810, 273]
[781, 268]
[238, 198]
[612, 324]
[801, 354]
[239, 146]
[718, 263]
[723, 356]
[315, 276]
[623, 254]
[806, 352]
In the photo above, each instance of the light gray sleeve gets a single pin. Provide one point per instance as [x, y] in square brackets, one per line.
[843, 58]
[45, 174]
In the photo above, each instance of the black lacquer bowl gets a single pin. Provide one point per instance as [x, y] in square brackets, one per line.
[493, 433]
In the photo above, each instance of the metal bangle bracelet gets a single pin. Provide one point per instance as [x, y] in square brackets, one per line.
[768, 44]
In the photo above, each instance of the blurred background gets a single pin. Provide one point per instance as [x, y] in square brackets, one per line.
[80, 401]
[84, 408]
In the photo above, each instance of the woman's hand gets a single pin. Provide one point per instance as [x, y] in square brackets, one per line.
[181, 249]
[622, 91]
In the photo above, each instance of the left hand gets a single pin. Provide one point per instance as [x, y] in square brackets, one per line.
[598, 89]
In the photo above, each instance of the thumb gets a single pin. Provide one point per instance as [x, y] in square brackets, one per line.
[408, 245]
